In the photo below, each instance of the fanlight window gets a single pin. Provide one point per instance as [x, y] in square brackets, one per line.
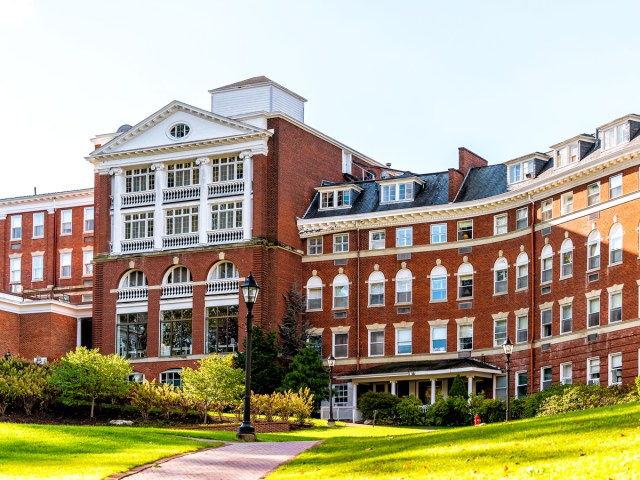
[223, 270]
[133, 279]
[178, 275]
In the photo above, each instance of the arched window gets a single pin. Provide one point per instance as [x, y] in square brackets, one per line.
[404, 286]
[593, 250]
[341, 291]
[133, 279]
[615, 244]
[566, 258]
[314, 293]
[177, 275]
[172, 376]
[522, 271]
[376, 288]
[546, 264]
[438, 284]
[223, 271]
[465, 281]
[500, 270]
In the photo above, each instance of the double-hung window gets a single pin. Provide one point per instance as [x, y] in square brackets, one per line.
[340, 345]
[546, 378]
[522, 329]
[522, 271]
[182, 220]
[65, 222]
[341, 291]
[593, 250]
[593, 193]
[376, 289]
[546, 209]
[138, 225]
[404, 282]
[615, 307]
[404, 237]
[521, 384]
[465, 229]
[465, 281]
[376, 343]
[465, 336]
[15, 266]
[593, 371]
[522, 218]
[65, 265]
[377, 240]
[438, 284]
[546, 263]
[499, 332]
[566, 318]
[37, 268]
[341, 243]
[566, 373]
[566, 259]
[566, 203]
[88, 219]
[500, 225]
[183, 174]
[501, 387]
[500, 269]
[16, 227]
[615, 369]
[439, 339]
[38, 225]
[593, 312]
[87, 265]
[616, 135]
[615, 186]
[314, 293]
[546, 324]
[439, 233]
[403, 341]
[615, 244]
[314, 246]
[226, 216]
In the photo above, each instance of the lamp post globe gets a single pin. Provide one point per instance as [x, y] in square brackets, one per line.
[250, 290]
[507, 346]
[331, 361]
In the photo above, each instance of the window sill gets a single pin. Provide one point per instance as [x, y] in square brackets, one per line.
[567, 277]
[438, 301]
[339, 309]
[542, 284]
[403, 354]
[314, 310]
[404, 246]
[500, 294]
[592, 327]
[593, 270]
[522, 289]
[440, 351]
[544, 338]
[66, 234]
[566, 333]
[16, 239]
[375, 306]
[37, 238]
[403, 304]
[615, 264]
[614, 322]
[344, 251]
[464, 299]
[375, 356]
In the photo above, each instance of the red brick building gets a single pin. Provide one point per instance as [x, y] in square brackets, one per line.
[421, 277]
[46, 282]
[187, 203]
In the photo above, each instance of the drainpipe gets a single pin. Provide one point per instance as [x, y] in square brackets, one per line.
[532, 289]
[358, 296]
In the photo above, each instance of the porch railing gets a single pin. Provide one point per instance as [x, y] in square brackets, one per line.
[221, 189]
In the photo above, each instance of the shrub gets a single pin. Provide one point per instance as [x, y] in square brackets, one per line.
[409, 411]
[638, 384]
[580, 397]
[378, 405]
[301, 404]
[452, 411]
[491, 410]
[458, 388]
[145, 396]
[531, 404]
[23, 383]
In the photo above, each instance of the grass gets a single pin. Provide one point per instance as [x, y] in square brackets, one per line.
[65, 452]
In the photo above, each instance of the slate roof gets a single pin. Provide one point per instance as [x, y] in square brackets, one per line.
[421, 366]
[434, 191]
[483, 182]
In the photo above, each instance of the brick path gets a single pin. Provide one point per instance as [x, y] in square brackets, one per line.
[234, 461]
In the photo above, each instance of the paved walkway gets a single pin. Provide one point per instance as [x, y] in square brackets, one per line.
[234, 461]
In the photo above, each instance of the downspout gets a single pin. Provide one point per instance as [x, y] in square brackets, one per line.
[358, 296]
[55, 249]
[532, 289]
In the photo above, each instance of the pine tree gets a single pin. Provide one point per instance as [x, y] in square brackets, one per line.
[266, 372]
[307, 371]
[294, 327]
[458, 388]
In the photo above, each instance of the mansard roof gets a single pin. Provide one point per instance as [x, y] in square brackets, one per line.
[433, 191]
[418, 367]
[483, 182]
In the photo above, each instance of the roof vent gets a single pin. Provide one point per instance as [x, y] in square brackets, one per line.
[124, 128]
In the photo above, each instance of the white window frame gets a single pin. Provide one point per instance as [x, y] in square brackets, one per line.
[15, 270]
[615, 186]
[341, 243]
[340, 285]
[520, 385]
[500, 224]
[139, 180]
[500, 388]
[593, 194]
[181, 221]
[612, 309]
[440, 329]
[336, 199]
[593, 312]
[465, 227]
[378, 342]
[566, 203]
[593, 376]
[465, 274]
[438, 233]
[89, 220]
[16, 227]
[615, 135]
[615, 370]
[546, 320]
[404, 287]
[466, 346]
[404, 236]
[224, 216]
[314, 245]
[500, 276]
[522, 332]
[87, 265]
[377, 239]
[522, 271]
[545, 384]
[36, 224]
[183, 174]
[498, 337]
[37, 268]
[314, 293]
[438, 275]
[344, 345]
[66, 222]
[546, 265]
[397, 192]
[65, 263]
[566, 259]
[376, 278]
[615, 244]
[546, 209]
[566, 320]
[522, 218]
[593, 251]
[566, 368]
[172, 372]
[403, 342]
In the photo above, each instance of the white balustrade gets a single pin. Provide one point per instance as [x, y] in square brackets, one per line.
[175, 290]
[134, 199]
[137, 245]
[180, 241]
[221, 189]
[178, 194]
[224, 236]
[133, 294]
[223, 286]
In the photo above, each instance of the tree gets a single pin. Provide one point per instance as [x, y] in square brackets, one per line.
[90, 376]
[458, 389]
[23, 382]
[307, 371]
[266, 372]
[214, 384]
[294, 329]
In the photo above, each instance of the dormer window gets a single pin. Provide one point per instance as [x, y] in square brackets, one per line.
[616, 135]
[567, 155]
[397, 192]
[520, 171]
[335, 199]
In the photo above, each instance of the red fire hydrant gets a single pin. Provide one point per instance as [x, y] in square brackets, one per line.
[476, 420]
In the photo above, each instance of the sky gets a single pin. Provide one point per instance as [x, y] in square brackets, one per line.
[404, 82]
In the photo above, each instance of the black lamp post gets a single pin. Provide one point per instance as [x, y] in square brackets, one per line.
[250, 291]
[332, 362]
[507, 346]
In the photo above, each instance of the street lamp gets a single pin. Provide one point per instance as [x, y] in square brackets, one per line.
[250, 291]
[507, 346]
[332, 362]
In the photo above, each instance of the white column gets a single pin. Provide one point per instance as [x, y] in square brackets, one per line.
[78, 332]
[354, 402]
[433, 391]
[393, 388]
[117, 189]
[247, 201]
[469, 387]
[158, 217]
[203, 211]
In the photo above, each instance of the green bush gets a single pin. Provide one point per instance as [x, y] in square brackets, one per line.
[452, 411]
[491, 410]
[581, 397]
[638, 384]
[531, 404]
[382, 403]
[458, 388]
[409, 411]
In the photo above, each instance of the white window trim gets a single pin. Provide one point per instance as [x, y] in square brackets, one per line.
[562, 379]
[371, 240]
[517, 376]
[370, 332]
[542, 369]
[496, 219]
[334, 242]
[610, 368]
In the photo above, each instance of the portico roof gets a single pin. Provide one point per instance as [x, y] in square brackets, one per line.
[424, 369]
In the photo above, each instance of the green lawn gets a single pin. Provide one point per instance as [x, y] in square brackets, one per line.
[60, 452]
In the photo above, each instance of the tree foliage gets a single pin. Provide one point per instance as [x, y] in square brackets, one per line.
[266, 372]
[294, 327]
[90, 376]
[308, 371]
[215, 385]
[458, 388]
[23, 383]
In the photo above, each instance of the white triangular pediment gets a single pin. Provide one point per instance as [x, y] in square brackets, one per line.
[154, 131]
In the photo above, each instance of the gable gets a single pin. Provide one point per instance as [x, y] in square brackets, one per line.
[154, 131]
